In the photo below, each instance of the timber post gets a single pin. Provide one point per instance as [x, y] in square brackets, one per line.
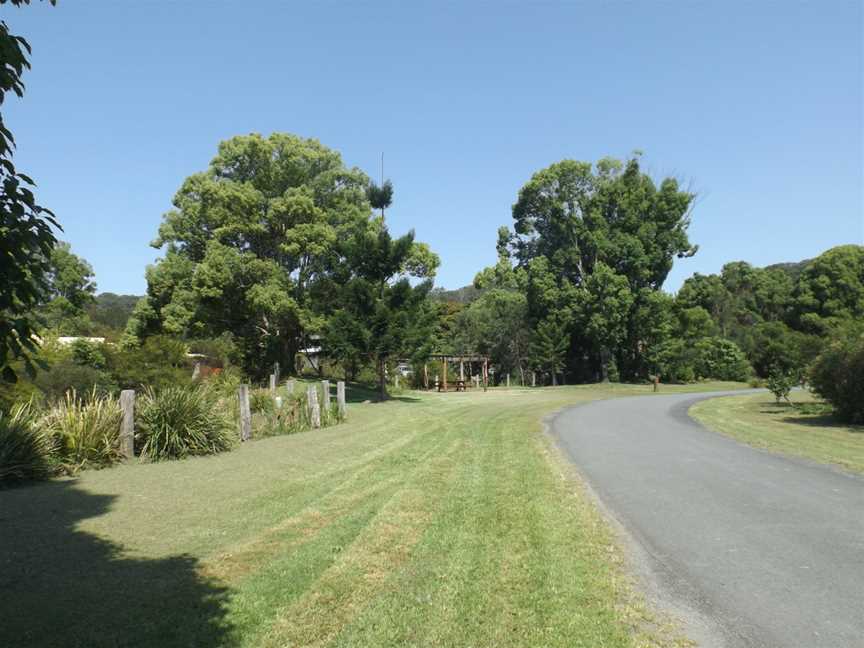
[485, 374]
[289, 386]
[314, 408]
[245, 414]
[340, 399]
[325, 394]
[273, 383]
[127, 423]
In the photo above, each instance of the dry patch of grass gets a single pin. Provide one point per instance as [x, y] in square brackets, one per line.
[802, 431]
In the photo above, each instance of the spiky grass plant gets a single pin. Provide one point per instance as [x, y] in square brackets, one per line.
[178, 422]
[25, 450]
[85, 431]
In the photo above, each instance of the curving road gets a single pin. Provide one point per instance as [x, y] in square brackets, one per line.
[750, 548]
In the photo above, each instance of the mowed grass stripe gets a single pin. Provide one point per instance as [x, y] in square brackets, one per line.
[436, 522]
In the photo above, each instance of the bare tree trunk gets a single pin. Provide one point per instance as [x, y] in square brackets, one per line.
[382, 379]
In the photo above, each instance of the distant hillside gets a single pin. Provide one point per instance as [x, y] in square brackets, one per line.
[463, 295]
[112, 310]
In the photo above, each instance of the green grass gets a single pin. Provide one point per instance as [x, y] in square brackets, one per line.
[802, 431]
[437, 520]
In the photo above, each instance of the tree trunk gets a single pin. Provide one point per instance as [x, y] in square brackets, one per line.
[382, 379]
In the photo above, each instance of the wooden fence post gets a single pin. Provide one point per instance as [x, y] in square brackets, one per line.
[340, 399]
[277, 371]
[314, 408]
[127, 423]
[485, 374]
[272, 383]
[245, 414]
[508, 381]
[533, 378]
[289, 386]
[325, 394]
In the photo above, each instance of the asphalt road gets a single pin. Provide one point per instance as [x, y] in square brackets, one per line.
[752, 549]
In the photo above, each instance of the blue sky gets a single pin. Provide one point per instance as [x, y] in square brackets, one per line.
[757, 106]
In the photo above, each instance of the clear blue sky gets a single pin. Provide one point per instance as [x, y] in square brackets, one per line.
[756, 105]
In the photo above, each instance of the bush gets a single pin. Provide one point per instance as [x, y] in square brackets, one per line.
[24, 449]
[65, 375]
[260, 401]
[159, 362]
[85, 432]
[177, 422]
[780, 384]
[721, 359]
[837, 375]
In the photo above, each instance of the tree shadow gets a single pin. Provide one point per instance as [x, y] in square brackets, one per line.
[60, 586]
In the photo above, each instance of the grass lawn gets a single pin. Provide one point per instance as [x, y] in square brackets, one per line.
[759, 421]
[430, 520]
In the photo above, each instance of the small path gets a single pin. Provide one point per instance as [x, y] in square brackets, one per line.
[763, 550]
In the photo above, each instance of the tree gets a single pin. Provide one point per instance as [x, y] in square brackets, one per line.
[602, 314]
[69, 292]
[26, 236]
[575, 220]
[549, 347]
[831, 289]
[255, 246]
[496, 325]
[382, 313]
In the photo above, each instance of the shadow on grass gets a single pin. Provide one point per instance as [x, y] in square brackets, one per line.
[808, 414]
[63, 587]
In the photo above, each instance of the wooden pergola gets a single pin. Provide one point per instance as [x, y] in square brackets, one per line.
[446, 358]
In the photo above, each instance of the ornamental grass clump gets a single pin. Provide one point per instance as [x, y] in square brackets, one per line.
[85, 432]
[25, 451]
[178, 422]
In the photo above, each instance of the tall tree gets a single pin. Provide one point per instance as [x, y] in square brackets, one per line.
[26, 236]
[255, 246]
[383, 312]
[598, 237]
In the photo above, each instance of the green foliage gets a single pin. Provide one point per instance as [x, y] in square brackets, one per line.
[26, 237]
[110, 312]
[261, 401]
[254, 248]
[721, 359]
[380, 197]
[85, 431]
[594, 241]
[496, 325]
[382, 316]
[159, 362]
[831, 289]
[177, 422]
[780, 384]
[24, 449]
[549, 347]
[837, 375]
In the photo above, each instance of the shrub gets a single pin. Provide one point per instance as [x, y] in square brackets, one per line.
[177, 422]
[721, 359]
[85, 431]
[260, 401]
[24, 449]
[159, 362]
[780, 384]
[837, 375]
[66, 375]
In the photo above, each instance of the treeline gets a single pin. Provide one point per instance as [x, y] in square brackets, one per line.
[279, 253]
